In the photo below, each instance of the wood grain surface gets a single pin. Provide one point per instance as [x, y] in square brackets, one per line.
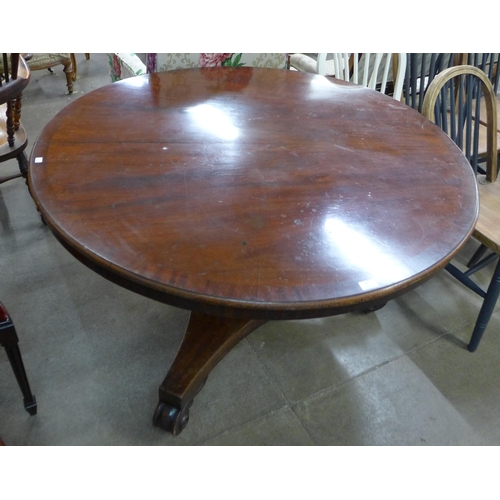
[252, 192]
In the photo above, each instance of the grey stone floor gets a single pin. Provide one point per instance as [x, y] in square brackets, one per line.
[95, 354]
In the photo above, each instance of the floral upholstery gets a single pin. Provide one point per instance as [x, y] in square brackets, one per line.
[165, 62]
[126, 65]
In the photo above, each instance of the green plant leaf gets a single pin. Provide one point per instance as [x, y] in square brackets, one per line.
[237, 60]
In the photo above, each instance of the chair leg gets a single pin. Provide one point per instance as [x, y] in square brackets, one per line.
[477, 255]
[9, 340]
[17, 112]
[489, 303]
[73, 64]
[23, 164]
[68, 70]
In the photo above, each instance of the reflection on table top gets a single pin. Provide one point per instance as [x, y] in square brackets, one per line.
[253, 189]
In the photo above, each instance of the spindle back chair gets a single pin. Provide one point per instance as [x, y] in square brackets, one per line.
[15, 75]
[453, 102]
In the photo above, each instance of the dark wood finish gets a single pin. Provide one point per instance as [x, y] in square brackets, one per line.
[9, 340]
[13, 139]
[193, 363]
[250, 194]
[73, 64]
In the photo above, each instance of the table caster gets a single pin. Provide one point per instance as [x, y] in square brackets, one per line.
[171, 419]
[371, 309]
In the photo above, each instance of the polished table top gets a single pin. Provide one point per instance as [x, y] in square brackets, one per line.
[277, 192]
[249, 194]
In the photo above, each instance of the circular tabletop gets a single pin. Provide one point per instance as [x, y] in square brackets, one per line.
[252, 191]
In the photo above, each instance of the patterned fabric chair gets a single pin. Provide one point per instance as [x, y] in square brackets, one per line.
[126, 65]
[48, 61]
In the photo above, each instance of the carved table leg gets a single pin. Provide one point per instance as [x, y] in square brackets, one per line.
[206, 341]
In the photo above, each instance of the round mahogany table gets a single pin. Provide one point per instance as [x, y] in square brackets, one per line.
[250, 194]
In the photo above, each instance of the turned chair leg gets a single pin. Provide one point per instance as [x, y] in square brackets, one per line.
[22, 160]
[9, 340]
[68, 70]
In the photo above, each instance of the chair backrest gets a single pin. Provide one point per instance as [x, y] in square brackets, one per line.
[488, 63]
[15, 75]
[452, 102]
[170, 61]
[324, 64]
[369, 70]
[421, 69]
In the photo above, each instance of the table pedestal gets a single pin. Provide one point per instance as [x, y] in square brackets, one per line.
[206, 341]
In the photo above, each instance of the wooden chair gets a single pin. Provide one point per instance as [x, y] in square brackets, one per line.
[15, 75]
[9, 340]
[49, 60]
[453, 102]
[489, 63]
[372, 70]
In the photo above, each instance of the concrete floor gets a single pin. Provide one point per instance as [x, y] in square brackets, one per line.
[95, 354]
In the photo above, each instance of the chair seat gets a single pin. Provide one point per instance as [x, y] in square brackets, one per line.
[487, 229]
[44, 61]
